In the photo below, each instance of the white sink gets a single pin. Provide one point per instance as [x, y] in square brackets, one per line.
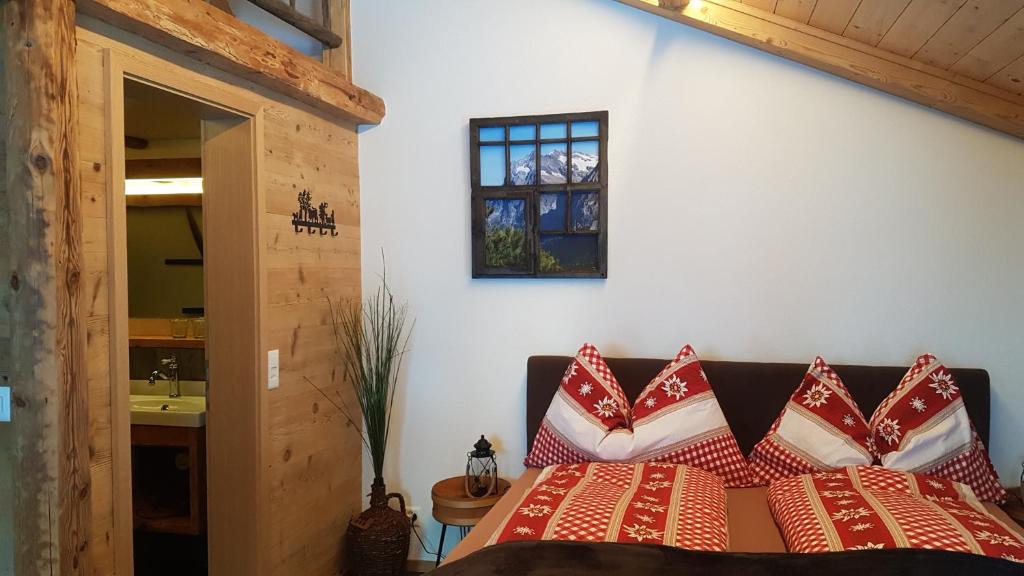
[184, 411]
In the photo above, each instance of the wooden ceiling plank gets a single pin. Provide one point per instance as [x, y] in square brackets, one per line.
[918, 22]
[212, 36]
[971, 24]
[873, 19]
[1010, 78]
[996, 52]
[841, 56]
[833, 15]
[875, 52]
[796, 10]
[767, 5]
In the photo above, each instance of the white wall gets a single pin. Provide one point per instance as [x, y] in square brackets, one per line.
[758, 209]
[275, 27]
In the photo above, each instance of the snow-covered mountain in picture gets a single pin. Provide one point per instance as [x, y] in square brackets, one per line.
[553, 168]
[505, 213]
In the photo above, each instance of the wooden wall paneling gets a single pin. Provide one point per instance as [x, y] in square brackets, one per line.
[94, 170]
[312, 459]
[873, 19]
[47, 361]
[796, 10]
[1010, 78]
[833, 15]
[312, 446]
[212, 36]
[995, 52]
[904, 77]
[918, 22]
[971, 24]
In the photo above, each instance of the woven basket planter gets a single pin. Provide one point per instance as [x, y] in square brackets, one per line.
[378, 539]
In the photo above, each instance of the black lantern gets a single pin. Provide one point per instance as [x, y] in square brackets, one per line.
[481, 470]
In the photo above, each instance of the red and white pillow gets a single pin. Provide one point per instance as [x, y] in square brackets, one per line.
[868, 507]
[676, 419]
[589, 404]
[820, 428]
[923, 427]
[651, 503]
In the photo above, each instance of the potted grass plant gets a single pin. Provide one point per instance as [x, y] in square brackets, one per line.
[371, 339]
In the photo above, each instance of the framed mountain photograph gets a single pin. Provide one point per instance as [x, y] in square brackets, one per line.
[540, 195]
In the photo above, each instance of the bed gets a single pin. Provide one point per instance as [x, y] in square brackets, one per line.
[751, 395]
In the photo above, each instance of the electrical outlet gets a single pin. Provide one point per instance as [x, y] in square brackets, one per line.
[5, 403]
[273, 369]
[413, 512]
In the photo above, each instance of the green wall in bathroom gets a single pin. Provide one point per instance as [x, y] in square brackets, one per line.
[155, 289]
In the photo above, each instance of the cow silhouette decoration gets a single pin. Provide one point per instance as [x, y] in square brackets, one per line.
[313, 218]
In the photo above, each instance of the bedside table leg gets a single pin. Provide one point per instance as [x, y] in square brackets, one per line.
[440, 545]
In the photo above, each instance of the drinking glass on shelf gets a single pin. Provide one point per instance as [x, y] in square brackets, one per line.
[179, 327]
[199, 327]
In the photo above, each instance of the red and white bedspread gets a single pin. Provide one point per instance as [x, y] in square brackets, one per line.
[864, 507]
[649, 503]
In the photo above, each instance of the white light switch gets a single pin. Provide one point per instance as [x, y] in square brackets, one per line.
[273, 369]
[5, 403]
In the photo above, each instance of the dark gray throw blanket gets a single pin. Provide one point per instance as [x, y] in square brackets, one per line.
[612, 559]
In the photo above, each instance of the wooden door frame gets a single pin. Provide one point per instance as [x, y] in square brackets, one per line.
[243, 469]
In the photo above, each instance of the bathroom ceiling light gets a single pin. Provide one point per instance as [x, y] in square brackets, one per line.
[143, 186]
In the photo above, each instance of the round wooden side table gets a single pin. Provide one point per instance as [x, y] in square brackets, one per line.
[1014, 506]
[453, 508]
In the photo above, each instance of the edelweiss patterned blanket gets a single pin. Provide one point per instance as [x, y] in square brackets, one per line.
[868, 507]
[650, 503]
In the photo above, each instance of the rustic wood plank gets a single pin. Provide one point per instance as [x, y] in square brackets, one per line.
[996, 51]
[337, 13]
[767, 5]
[293, 17]
[833, 15]
[918, 22]
[7, 439]
[873, 19]
[903, 77]
[796, 10]
[1010, 78]
[216, 38]
[47, 366]
[970, 25]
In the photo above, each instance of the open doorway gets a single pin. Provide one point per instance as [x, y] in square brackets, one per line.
[167, 356]
[186, 369]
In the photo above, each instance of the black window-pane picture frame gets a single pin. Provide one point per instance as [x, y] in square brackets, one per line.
[540, 196]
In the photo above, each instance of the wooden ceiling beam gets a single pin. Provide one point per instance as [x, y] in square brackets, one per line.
[891, 73]
[210, 35]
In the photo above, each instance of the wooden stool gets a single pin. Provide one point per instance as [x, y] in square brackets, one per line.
[453, 508]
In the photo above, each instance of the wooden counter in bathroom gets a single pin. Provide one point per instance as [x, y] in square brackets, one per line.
[151, 516]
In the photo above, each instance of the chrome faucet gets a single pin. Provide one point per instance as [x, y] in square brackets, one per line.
[171, 365]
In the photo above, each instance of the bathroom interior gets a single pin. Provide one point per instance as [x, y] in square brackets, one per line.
[168, 363]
